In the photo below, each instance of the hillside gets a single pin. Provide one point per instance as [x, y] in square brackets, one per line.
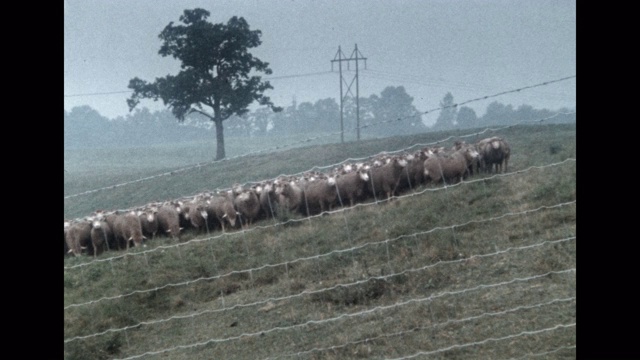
[482, 269]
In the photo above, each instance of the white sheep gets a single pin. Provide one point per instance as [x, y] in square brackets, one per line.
[127, 227]
[320, 194]
[449, 167]
[78, 236]
[352, 185]
[384, 179]
[247, 205]
[290, 195]
[168, 217]
[268, 198]
[220, 206]
[101, 234]
[149, 221]
[198, 215]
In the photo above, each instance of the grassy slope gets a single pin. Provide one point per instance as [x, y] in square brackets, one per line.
[410, 271]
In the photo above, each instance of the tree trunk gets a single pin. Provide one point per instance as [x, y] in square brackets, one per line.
[219, 140]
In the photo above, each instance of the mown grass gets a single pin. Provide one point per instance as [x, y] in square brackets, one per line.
[482, 269]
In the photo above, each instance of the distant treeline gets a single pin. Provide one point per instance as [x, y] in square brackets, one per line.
[390, 113]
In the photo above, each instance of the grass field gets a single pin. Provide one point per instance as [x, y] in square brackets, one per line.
[481, 270]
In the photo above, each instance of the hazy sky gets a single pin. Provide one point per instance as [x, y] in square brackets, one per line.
[469, 48]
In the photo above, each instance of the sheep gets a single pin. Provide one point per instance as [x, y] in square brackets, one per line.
[247, 205]
[475, 165]
[168, 217]
[352, 185]
[78, 236]
[182, 206]
[413, 174]
[480, 148]
[101, 234]
[198, 215]
[127, 227]
[320, 194]
[492, 151]
[452, 167]
[384, 179]
[290, 196]
[220, 206]
[268, 198]
[433, 150]
[149, 221]
[114, 240]
[66, 247]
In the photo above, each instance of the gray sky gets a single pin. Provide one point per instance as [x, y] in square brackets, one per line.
[471, 48]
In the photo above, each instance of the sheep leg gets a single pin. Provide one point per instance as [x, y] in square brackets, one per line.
[306, 202]
[406, 169]
[373, 189]
[339, 197]
[444, 181]
[106, 241]
[273, 215]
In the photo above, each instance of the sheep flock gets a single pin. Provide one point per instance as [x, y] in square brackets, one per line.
[310, 193]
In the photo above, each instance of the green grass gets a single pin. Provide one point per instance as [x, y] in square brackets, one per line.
[377, 281]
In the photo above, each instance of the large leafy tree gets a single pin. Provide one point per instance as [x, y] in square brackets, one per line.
[217, 78]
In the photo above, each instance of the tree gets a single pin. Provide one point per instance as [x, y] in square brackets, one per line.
[260, 121]
[216, 65]
[524, 113]
[498, 114]
[307, 116]
[287, 121]
[447, 114]
[328, 112]
[84, 127]
[467, 117]
[393, 113]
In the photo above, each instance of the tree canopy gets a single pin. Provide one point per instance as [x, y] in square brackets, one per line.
[217, 77]
[447, 113]
[392, 112]
[467, 117]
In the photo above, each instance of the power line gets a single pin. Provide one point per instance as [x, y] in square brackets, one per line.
[298, 75]
[266, 78]
[442, 83]
[99, 93]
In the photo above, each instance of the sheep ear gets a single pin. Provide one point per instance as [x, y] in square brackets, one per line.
[170, 230]
[144, 237]
[224, 216]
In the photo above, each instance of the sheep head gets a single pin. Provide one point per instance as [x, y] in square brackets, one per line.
[364, 175]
